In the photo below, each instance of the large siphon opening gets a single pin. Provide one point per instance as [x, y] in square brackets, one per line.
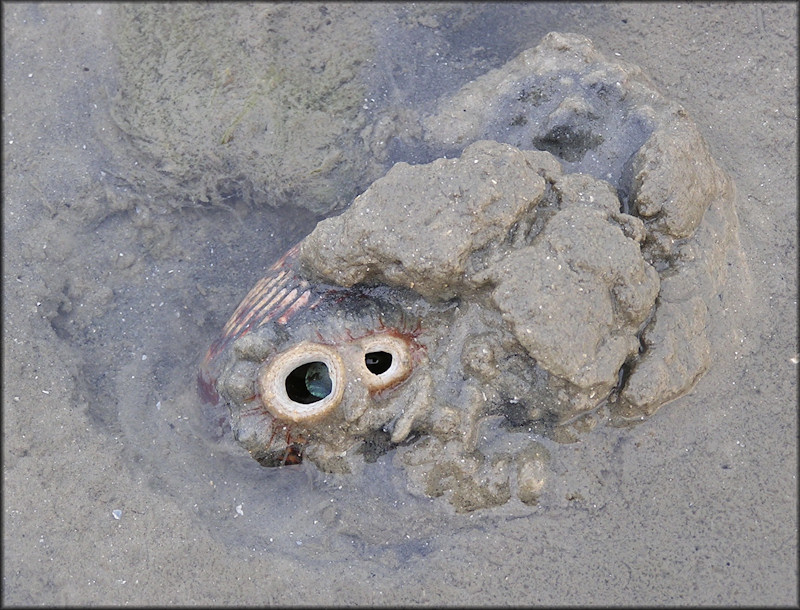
[309, 383]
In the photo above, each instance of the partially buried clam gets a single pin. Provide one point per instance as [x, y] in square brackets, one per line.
[312, 365]
[462, 312]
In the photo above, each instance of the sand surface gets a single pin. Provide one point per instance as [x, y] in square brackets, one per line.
[113, 492]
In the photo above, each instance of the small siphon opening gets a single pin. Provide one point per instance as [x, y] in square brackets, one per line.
[309, 383]
[378, 362]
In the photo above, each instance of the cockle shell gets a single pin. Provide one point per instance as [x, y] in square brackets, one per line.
[302, 363]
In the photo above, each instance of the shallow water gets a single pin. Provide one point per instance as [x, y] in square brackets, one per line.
[111, 298]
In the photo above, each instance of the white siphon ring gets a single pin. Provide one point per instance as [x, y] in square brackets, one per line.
[398, 370]
[273, 375]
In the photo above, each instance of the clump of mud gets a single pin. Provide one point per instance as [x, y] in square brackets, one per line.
[433, 228]
[566, 257]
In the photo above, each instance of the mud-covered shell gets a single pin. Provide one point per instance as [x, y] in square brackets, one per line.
[494, 289]
[360, 341]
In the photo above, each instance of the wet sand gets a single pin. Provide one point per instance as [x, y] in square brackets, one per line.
[114, 489]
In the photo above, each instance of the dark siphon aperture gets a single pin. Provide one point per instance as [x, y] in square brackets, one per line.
[309, 383]
[378, 362]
